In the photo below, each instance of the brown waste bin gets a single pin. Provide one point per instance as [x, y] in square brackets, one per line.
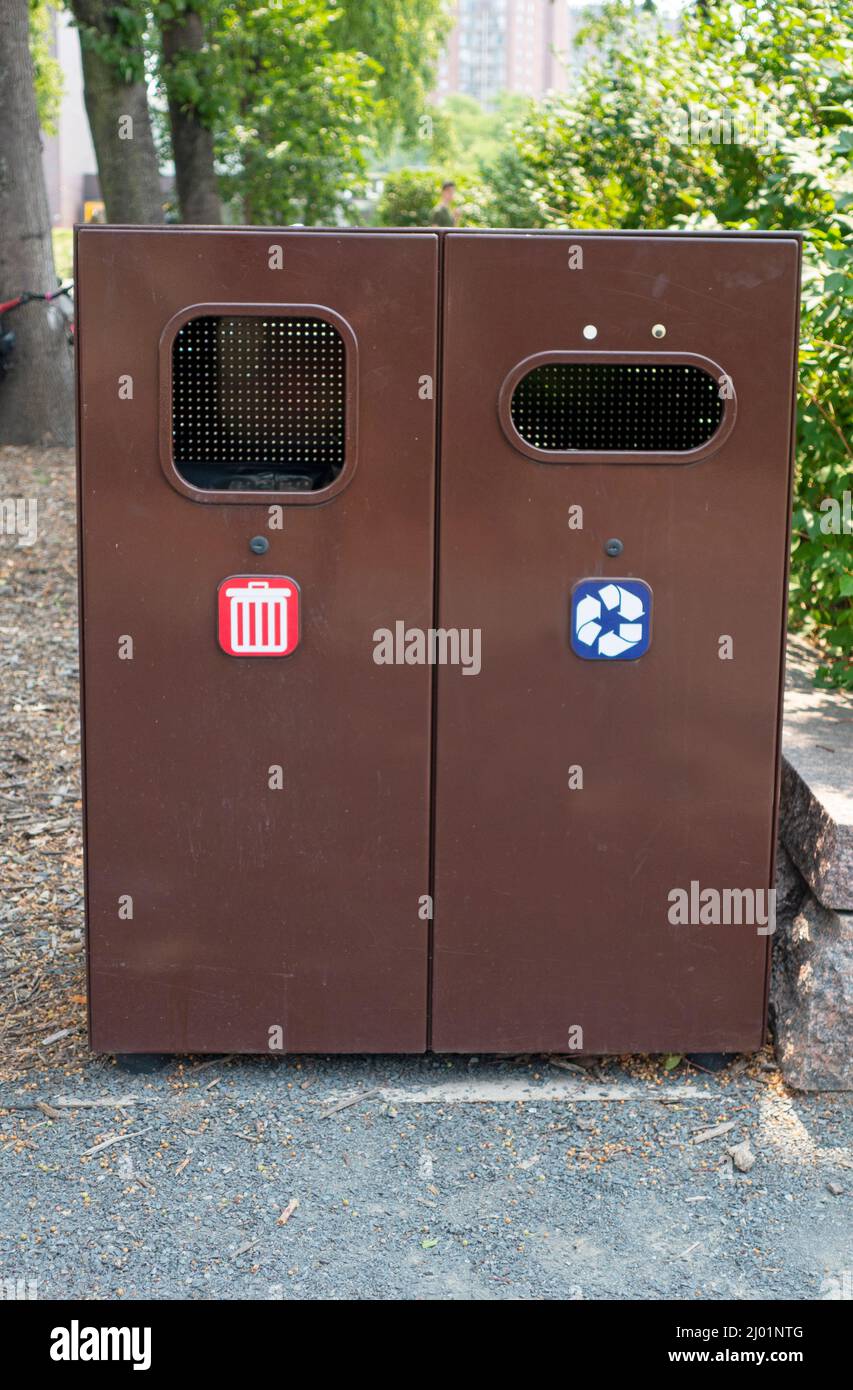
[256, 787]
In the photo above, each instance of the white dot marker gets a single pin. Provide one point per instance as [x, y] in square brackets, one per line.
[590, 331]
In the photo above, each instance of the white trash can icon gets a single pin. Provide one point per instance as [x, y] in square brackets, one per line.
[258, 617]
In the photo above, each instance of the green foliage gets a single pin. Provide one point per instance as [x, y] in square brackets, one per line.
[46, 70]
[821, 578]
[456, 140]
[740, 119]
[293, 118]
[512, 191]
[299, 94]
[119, 33]
[196, 79]
[63, 252]
[476, 136]
[459, 138]
[408, 198]
[404, 38]
[297, 129]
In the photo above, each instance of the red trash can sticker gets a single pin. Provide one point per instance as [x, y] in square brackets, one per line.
[258, 616]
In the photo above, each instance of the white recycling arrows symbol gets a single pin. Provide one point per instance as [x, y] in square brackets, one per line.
[588, 627]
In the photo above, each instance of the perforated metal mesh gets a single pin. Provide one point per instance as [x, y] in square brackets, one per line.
[615, 406]
[258, 403]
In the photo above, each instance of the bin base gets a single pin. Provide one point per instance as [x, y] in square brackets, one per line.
[142, 1063]
[711, 1061]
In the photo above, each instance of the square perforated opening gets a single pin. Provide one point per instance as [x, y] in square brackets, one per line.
[630, 408]
[258, 403]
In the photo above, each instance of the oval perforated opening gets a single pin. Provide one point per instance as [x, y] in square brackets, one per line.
[616, 407]
[258, 403]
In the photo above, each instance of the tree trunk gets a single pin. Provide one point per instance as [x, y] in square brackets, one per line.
[37, 395]
[192, 142]
[119, 119]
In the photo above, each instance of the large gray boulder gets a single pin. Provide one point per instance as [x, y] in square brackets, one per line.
[811, 994]
[812, 987]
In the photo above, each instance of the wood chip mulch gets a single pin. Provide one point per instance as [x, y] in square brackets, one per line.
[42, 978]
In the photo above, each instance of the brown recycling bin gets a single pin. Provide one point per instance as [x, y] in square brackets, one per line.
[637, 389]
[294, 847]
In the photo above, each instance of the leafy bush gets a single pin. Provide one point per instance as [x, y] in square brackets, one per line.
[410, 195]
[408, 198]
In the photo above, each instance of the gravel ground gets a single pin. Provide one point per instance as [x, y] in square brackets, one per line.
[42, 978]
[458, 1178]
[429, 1198]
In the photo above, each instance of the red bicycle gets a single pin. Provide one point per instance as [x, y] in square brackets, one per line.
[62, 294]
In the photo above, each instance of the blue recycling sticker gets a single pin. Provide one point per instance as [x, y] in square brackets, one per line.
[611, 619]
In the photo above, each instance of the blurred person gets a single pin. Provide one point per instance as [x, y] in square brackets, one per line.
[442, 214]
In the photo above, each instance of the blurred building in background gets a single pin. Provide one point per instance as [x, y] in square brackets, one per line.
[524, 46]
[70, 168]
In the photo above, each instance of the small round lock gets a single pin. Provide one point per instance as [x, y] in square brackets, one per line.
[659, 331]
[259, 545]
[613, 547]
